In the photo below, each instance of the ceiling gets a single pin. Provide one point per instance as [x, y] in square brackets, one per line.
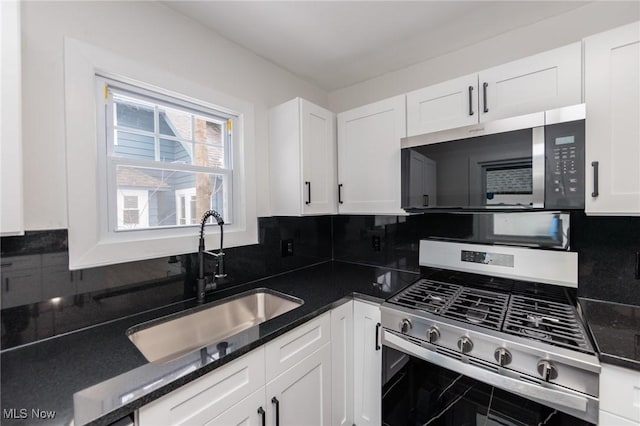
[334, 44]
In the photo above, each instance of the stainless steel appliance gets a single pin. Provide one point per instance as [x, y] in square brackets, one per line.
[532, 161]
[502, 316]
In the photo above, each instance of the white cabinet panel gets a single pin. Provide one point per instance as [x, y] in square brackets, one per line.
[291, 348]
[447, 105]
[342, 365]
[620, 391]
[245, 413]
[608, 419]
[367, 365]
[302, 159]
[612, 127]
[369, 157]
[206, 398]
[303, 392]
[548, 80]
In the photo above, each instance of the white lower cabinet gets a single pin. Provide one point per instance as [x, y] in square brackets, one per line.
[302, 395]
[248, 412]
[208, 397]
[619, 395]
[367, 365]
[608, 419]
[342, 365]
[324, 372]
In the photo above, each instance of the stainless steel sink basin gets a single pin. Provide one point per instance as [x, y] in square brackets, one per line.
[170, 337]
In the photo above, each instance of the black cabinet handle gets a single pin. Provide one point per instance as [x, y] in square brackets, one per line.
[484, 96]
[595, 193]
[308, 192]
[71, 276]
[263, 416]
[425, 200]
[275, 401]
[6, 284]
[378, 347]
[471, 100]
[340, 193]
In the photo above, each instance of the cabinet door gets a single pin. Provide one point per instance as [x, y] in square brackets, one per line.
[245, 413]
[620, 391]
[447, 105]
[612, 127]
[301, 396]
[367, 365]
[342, 365]
[204, 399]
[369, 157]
[608, 419]
[318, 159]
[540, 82]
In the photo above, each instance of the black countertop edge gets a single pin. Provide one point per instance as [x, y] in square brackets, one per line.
[352, 282]
[615, 328]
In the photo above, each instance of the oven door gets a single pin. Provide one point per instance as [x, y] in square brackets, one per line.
[575, 404]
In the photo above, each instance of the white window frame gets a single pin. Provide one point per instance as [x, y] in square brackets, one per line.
[105, 118]
[91, 242]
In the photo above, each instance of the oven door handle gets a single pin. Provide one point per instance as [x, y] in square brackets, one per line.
[527, 390]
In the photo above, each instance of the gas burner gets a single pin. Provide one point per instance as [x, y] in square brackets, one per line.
[480, 307]
[536, 334]
[477, 314]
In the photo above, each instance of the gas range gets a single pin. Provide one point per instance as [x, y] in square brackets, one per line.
[480, 313]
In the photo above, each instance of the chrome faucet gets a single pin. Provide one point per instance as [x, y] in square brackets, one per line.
[207, 284]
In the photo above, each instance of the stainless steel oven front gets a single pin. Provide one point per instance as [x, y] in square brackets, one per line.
[486, 320]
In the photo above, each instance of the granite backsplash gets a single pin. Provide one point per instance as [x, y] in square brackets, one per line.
[607, 250]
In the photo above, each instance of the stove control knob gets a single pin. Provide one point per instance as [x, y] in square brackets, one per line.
[433, 334]
[465, 344]
[503, 356]
[547, 370]
[406, 325]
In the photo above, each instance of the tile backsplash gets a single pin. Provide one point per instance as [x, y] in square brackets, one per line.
[607, 250]
[111, 292]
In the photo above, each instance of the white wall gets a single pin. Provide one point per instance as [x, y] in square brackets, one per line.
[544, 35]
[146, 32]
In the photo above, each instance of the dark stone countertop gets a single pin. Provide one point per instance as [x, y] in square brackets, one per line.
[111, 377]
[616, 330]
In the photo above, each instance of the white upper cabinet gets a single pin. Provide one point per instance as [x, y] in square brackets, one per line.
[447, 105]
[302, 145]
[11, 201]
[540, 82]
[548, 80]
[612, 126]
[369, 157]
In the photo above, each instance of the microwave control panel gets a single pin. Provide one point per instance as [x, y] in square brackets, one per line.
[565, 174]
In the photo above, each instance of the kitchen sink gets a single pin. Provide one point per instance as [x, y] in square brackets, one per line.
[170, 337]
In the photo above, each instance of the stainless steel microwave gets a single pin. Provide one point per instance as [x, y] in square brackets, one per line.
[535, 161]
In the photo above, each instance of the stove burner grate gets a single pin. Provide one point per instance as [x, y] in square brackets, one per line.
[427, 296]
[547, 321]
[480, 307]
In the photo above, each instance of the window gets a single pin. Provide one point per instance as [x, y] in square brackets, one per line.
[167, 160]
[96, 158]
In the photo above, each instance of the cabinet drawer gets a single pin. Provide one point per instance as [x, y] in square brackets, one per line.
[206, 398]
[620, 391]
[286, 351]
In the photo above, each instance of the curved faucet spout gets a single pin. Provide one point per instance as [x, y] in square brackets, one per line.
[202, 284]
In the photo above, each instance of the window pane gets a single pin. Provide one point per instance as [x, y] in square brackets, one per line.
[169, 197]
[176, 151]
[130, 202]
[175, 123]
[207, 131]
[130, 145]
[132, 113]
[131, 217]
[209, 155]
